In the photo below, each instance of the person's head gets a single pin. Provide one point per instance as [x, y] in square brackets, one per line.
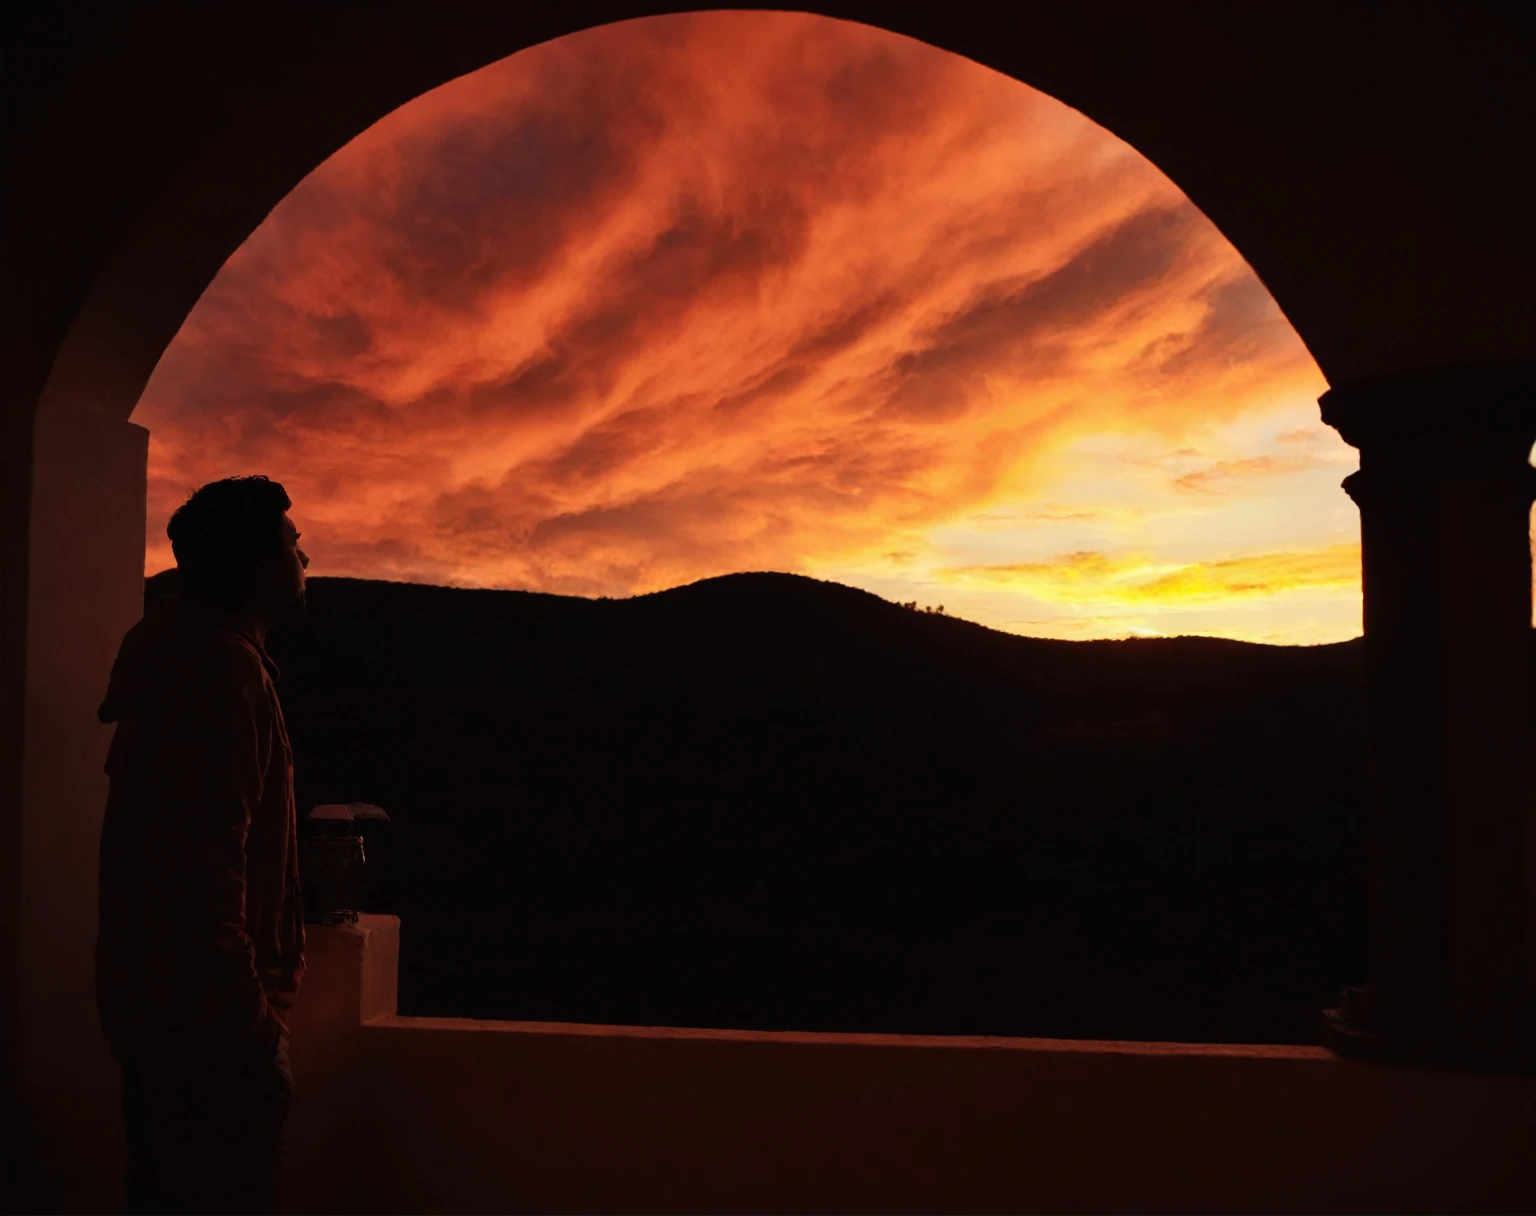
[236, 549]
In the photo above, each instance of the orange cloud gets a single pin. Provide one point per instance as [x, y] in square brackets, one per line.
[696, 294]
[1209, 479]
[1096, 579]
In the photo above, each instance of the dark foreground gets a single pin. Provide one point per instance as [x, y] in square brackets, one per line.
[763, 801]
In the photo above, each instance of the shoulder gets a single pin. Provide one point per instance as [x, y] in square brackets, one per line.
[230, 660]
[216, 665]
[186, 656]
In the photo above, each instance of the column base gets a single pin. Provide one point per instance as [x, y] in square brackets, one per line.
[1340, 1031]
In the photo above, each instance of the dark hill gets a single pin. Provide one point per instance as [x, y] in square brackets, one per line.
[767, 801]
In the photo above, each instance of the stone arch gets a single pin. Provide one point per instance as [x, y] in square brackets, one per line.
[1379, 265]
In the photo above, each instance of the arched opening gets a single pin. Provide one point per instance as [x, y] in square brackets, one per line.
[638, 308]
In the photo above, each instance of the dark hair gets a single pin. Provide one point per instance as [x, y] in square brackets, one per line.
[220, 534]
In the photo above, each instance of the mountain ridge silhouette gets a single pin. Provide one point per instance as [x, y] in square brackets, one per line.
[768, 801]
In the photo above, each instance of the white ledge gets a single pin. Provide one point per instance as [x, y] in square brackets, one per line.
[453, 1114]
[951, 1042]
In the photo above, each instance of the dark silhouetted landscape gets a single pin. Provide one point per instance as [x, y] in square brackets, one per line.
[769, 802]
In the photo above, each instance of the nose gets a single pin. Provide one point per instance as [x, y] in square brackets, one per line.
[303, 559]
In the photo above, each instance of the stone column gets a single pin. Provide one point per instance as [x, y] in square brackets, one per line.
[1445, 489]
[85, 590]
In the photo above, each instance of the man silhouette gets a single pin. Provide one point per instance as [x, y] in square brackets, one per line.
[200, 944]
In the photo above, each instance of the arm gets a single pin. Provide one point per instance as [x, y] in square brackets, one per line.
[222, 756]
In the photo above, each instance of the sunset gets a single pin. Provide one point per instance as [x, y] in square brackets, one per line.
[896, 608]
[693, 295]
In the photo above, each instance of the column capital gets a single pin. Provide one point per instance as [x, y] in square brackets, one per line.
[1462, 417]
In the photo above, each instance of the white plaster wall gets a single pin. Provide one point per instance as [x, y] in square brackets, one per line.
[86, 590]
[401, 1114]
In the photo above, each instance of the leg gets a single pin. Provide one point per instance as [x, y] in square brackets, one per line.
[142, 1181]
[258, 1157]
[213, 1123]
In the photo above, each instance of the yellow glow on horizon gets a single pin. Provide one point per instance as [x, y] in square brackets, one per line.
[1096, 580]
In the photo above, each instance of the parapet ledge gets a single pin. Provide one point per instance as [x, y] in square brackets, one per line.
[351, 982]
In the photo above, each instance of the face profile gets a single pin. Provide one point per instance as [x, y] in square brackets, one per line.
[283, 576]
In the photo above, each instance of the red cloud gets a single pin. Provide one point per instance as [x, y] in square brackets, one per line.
[697, 294]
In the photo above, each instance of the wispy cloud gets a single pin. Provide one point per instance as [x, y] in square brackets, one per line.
[1093, 578]
[1221, 475]
[705, 293]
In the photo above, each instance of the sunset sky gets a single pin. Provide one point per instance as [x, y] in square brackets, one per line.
[692, 295]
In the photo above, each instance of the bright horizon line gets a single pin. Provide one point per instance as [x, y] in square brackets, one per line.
[922, 609]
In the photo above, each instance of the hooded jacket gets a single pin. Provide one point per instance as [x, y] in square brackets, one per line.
[201, 925]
